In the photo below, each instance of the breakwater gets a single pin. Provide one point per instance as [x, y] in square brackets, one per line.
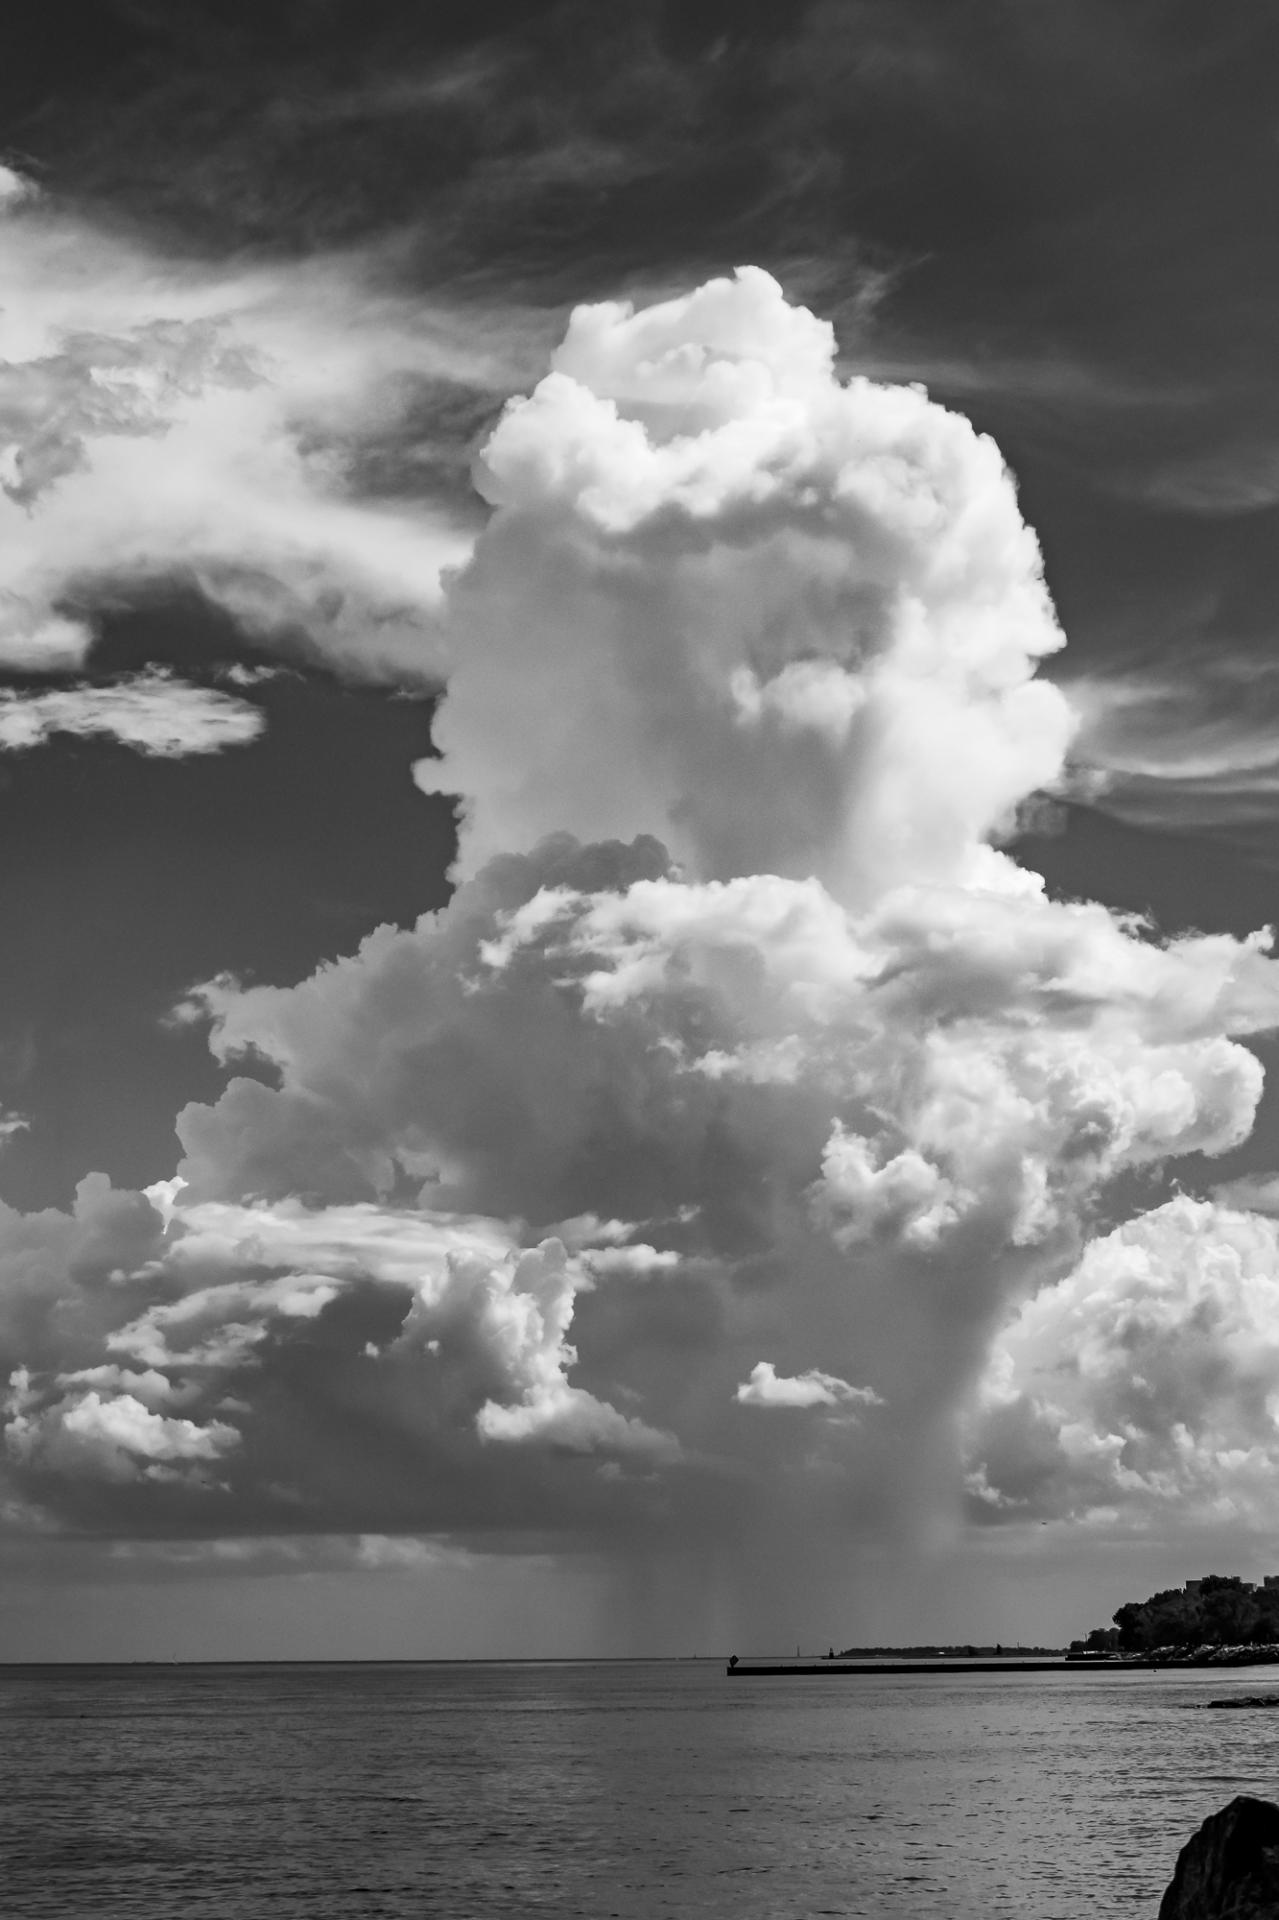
[761, 1669]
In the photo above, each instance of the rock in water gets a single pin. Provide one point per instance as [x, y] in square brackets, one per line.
[1230, 1869]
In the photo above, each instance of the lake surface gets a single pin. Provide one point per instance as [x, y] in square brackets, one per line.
[465, 1792]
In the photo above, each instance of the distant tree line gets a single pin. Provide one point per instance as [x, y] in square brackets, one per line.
[1221, 1610]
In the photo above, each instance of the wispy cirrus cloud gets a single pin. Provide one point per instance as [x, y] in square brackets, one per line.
[1241, 477]
[1189, 746]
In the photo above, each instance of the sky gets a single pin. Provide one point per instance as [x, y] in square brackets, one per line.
[638, 819]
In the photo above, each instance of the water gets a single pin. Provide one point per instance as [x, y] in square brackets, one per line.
[471, 1792]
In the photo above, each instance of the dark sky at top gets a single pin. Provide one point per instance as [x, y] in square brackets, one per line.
[1060, 217]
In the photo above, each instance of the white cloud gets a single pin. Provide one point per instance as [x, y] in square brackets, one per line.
[767, 1388]
[173, 421]
[123, 1424]
[637, 1260]
[569, 1417]
[15, 188]
[116, 1437]
[404, 1552]
[1146, 1382]
[153, 712]
[1006, 1052]
[790, 624]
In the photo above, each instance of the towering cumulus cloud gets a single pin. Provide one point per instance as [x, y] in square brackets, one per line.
[787, 622]
[670, 1191]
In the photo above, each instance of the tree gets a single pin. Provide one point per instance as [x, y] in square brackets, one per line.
[1223, 1611]
[1229, 1612]
[1133, 1623]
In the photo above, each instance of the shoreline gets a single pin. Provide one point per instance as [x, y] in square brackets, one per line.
[1215, 1657]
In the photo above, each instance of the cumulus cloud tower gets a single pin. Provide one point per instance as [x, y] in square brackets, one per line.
[667, 1207]
[789, 621]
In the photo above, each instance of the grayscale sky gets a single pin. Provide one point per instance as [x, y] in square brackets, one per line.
[639, 802]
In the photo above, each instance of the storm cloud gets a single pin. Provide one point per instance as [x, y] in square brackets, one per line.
[744, 1075]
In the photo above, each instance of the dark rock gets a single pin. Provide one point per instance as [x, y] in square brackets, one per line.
[1248, 1700]
[1230, 1869]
